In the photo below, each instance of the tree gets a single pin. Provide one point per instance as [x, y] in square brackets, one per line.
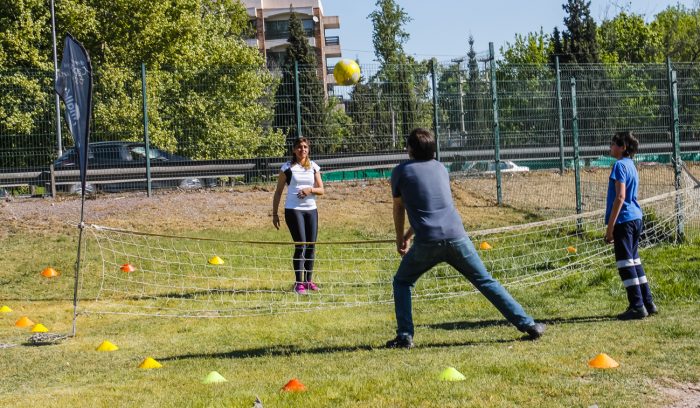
[558, 48]
[627, 38]
[678, 29]
[402, 77]
[388, 34]
[580, 34]
[316, 112]
[207, 89]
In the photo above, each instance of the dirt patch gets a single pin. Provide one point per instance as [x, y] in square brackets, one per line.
[365, 206]
[682, 395]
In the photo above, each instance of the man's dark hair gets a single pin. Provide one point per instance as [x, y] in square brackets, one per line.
[627, 140]
[422, 144]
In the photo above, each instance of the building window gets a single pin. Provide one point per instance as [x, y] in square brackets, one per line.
[279, 30]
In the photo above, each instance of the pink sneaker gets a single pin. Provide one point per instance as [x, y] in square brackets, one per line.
[311, 286]
[299, 288]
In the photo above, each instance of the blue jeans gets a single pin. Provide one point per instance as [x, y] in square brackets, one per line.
[461, 255]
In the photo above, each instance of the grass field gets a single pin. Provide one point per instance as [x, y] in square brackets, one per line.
[338, 353]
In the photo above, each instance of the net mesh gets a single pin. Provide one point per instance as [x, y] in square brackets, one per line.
[178, 276]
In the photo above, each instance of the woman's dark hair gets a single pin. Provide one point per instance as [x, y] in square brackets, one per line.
[307, 162]
[627, 140]
[422, 144]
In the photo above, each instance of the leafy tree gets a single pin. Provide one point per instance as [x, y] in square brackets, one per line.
[580, 34]
[558, 48]
[627, 38]
[314, 110]
[207, 89]
[388, 34]
[679, 30]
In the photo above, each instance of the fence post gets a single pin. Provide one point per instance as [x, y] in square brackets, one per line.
[561, 118]
[496, 126]
[676, 146]
[436, 123]
[577, 165]
[145, 129]
[297, 97]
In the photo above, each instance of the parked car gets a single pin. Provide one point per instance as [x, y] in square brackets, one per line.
[120, 154]
[506, 166]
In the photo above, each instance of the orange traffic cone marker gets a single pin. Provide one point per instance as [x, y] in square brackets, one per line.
[50, 273]
[485, 246]
[294, 385]
[24, 322]
[603, 360]
[127, 268]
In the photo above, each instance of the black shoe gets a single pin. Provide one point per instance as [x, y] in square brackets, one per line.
[651, 308]
[633, 313]
[535, 331]
[403, 341]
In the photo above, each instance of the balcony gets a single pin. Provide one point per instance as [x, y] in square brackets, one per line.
[333, 47]
[331, 22]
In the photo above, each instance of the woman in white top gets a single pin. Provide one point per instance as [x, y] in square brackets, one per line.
[303, 178]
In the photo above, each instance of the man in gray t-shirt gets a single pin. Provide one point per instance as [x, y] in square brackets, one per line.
[421, 189]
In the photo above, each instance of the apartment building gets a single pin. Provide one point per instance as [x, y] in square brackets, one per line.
[270, 20]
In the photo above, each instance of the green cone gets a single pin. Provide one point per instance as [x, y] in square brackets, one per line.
[451, 374]
[213, 377]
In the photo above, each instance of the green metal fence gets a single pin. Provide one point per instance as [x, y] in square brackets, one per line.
[491, 118]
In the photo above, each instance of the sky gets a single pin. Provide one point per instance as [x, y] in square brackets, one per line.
[440, 28]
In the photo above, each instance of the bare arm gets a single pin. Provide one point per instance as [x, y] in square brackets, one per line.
[276, 199]
[316, 189]
[403, 239]
[620, 196]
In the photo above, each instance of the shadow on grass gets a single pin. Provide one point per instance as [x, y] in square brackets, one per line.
[480, 324]
[289, 350]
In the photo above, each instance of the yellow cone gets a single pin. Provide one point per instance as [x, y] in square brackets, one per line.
[39, 328]
[5, 309]
[107, 346]
[213, 378]
[215, 260]
[451, 374]
[603, 360]
[571, 250]
[485, 246]
[149, 363]
[24, 322]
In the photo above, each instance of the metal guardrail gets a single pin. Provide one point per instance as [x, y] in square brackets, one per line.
[264, 168]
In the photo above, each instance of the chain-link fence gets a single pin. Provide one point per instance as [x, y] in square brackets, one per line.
[497, 123]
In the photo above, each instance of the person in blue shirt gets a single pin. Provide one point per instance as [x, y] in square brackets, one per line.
[623, 216]
[421, 189]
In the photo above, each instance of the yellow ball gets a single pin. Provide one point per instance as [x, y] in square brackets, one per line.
[346, 72]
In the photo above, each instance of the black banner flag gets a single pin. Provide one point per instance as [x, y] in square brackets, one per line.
[74, 85]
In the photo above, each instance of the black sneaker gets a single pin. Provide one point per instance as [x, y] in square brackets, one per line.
[403, 341]
[535, 331]
[633, 313]
[651, 308]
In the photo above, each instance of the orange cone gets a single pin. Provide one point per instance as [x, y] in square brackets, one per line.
[603, 360]
[50, 273]
[571, 250]
[24, 322]
[127, 268]
[294, 385]
[485, 246]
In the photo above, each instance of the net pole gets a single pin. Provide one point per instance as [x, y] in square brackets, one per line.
[436, 123]
[81, 226]
[676, 146]
[561, 117]
[496, 126]
[577, 165]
